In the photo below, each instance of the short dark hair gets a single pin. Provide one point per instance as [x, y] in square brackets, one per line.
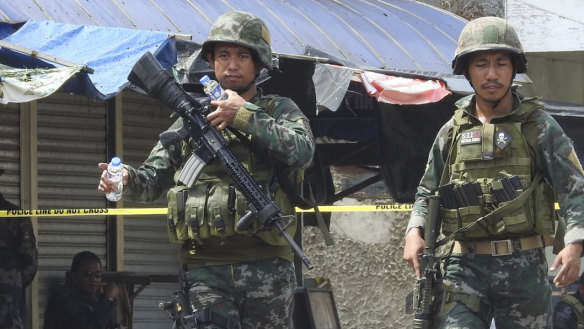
[82, 256]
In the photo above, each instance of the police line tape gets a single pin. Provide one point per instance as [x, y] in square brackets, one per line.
[163, 211]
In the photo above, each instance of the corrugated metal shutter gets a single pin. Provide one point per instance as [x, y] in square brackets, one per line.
[71, 141]
[147, 249]
[10, 152]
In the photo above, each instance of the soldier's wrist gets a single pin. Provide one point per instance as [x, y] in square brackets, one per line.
[415, 230]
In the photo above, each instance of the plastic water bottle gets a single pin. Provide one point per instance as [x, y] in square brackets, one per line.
[212, 89]
[115, 173]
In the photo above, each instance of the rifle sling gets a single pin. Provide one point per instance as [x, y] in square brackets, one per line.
[498, 213]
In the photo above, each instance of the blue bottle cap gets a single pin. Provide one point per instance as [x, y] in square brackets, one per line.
[116, 161]
[204, 79]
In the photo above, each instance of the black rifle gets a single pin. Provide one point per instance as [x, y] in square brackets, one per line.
[423, 300]
[180, 310]
[149, 75]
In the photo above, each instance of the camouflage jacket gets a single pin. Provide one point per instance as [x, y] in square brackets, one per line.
[555, 157]
[286, 136]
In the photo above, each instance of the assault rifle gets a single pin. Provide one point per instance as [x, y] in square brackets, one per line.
[431, 276]
[149, 75]
[179, 309]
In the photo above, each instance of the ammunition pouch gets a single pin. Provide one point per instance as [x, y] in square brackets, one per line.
[212, 210]
[178, 230]
[530, 210]
[546, 217]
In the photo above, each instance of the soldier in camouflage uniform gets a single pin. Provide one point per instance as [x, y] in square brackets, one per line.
[496, 267]
[18, 266]
[244, 279]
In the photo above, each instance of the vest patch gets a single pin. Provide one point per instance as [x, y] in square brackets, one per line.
[503, 138]
[471, 137]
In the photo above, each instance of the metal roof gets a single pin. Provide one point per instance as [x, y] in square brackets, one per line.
[393, 36]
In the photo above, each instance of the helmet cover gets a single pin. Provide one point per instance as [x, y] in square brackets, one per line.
[488, 33]
[244, 29]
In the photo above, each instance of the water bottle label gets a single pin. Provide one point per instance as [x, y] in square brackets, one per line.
[216, 93]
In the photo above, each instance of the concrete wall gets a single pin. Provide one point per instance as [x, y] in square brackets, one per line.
[557, 76]
[368, 276]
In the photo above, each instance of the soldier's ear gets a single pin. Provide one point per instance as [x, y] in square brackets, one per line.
[210, 60]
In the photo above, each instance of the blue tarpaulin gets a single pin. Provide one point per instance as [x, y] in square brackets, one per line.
[110, 52]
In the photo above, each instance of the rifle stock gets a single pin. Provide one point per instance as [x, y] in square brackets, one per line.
[150, 76]
[423, 299]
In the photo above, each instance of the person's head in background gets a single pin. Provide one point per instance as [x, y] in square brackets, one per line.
[86, 272]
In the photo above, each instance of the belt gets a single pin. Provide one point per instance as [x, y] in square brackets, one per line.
[498, 247]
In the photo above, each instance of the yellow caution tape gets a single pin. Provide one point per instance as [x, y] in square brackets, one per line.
[163, 211]
[381, 207]
[83, 212]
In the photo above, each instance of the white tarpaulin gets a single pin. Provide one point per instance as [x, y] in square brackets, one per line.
[331, 83]
[25, 85]
[400, 90]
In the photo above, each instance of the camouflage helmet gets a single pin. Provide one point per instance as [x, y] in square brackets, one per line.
[242, 29]
[488, 33]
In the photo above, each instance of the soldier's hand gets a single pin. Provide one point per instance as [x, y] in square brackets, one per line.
[414, 246]
[226, 110]
[569, 259]
[105, 185]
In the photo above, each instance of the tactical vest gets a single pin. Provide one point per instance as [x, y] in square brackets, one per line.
[577, 306]
[213, 206]
[487, 154]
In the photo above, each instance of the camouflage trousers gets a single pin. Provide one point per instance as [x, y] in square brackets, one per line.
[512, 289]
[258, 295]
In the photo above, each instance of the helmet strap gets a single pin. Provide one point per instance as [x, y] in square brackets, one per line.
[246, 88]
[258, 69]
[496, 103]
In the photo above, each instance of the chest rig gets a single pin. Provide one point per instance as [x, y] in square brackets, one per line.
[213, 206]
[491, 186]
